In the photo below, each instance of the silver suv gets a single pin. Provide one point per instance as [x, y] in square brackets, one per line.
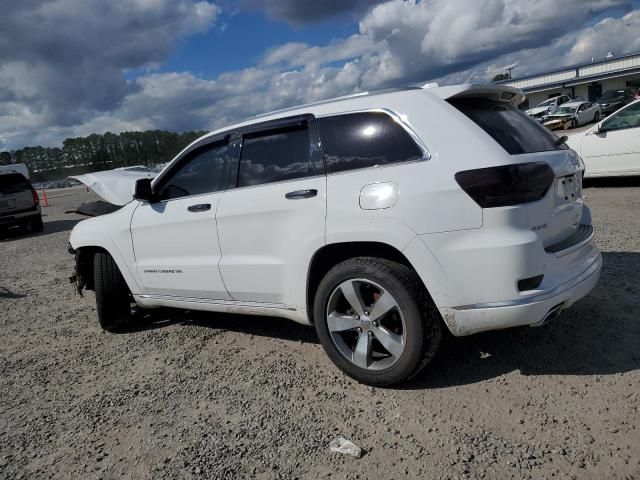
[19, 203]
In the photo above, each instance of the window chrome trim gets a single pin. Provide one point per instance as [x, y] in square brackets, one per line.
[426, 154]
[396, 117]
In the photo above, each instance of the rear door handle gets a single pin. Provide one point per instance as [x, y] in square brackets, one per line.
[200, 207]
[301, 194]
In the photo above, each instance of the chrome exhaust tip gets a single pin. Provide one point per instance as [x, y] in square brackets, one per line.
[552, 314]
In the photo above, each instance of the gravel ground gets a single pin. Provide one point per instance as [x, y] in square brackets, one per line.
[218, 396]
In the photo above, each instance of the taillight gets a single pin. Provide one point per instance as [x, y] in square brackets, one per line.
[506, 185]
[36, 198]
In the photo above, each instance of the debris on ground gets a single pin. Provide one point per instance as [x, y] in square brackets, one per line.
[347, 447]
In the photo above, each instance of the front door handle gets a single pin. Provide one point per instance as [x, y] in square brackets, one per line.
[200, 207]
[301, 194]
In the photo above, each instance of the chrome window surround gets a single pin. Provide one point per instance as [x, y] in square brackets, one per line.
[426, 154]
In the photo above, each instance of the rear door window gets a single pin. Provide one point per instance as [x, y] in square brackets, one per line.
[365, 139]
[275, 155]
[13, 183]
[516, 132]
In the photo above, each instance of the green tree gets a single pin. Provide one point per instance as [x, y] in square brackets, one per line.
[101, 152]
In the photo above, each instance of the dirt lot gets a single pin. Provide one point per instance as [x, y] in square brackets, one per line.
[216, 396]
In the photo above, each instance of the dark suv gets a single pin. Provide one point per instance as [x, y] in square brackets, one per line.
[612, 100]
[19, 203]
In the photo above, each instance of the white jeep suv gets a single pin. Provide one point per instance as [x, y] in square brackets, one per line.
[380, 218]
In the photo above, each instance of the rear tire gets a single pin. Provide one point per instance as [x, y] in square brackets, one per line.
[412, 321]
[596, 117]
[112, 294]
[36, 225]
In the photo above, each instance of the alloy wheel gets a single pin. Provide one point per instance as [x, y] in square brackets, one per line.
[366, 324]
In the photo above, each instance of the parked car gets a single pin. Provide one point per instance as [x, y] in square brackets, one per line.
[366, 217]
[612, 147]
[612, 100]
[19, 203]
[548, 105]
[572, 115]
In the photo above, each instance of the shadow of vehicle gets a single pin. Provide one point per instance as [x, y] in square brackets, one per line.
[599, 335]
[6, 293]
[611, 182]
[249, 324]
[54, 226]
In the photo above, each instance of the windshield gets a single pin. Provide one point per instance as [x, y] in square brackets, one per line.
[563, 110]
[612, 94]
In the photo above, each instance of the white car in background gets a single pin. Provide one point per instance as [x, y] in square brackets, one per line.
[572, 115]
[612, 147]
[364, 216]
[546, 106]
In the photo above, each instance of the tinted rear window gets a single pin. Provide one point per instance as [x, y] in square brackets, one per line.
[367, 139]
[13, 183]
[515, 131]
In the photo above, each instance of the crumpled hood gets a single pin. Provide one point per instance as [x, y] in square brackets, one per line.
[114, 186]
[537, 110]
[562, 116]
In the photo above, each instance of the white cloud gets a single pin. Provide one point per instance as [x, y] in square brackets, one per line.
[398, 42]
[62, 61]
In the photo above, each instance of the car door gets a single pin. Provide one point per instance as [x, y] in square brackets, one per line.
[175, 238]
[274, 221]
[614, 148]
[582, 114]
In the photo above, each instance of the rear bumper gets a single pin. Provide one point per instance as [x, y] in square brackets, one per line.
[9, 220]
[533, 310]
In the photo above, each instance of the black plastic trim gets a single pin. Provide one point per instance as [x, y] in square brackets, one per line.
[580, 235]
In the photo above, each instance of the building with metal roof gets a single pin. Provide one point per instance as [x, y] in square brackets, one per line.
[589, 80]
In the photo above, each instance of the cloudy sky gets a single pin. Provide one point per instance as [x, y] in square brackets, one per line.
[73, 67]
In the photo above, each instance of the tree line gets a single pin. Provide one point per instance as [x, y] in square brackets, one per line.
[99, 152]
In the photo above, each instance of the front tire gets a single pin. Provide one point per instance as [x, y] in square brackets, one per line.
[596, 117]
[112, 294]
[376, 321]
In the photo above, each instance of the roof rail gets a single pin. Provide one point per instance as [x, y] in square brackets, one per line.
[312, 104]
[337, 99]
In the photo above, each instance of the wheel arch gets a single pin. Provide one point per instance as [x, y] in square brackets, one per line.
[332, 254]
[84, 264]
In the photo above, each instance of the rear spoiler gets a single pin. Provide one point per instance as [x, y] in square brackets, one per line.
[497, 93]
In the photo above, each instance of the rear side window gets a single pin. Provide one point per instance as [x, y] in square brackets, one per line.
[203, 170]
[515, 131]
[275, 156]
[13, 183]
[365, 139]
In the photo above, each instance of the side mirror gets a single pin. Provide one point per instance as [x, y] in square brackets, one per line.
[143, 190]
[597, 129]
